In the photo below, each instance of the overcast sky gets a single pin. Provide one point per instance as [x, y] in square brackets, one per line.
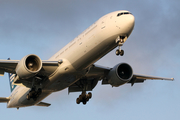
[43, 27]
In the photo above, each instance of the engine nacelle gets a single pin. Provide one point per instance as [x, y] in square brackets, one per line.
[28, 66]
[120, 74]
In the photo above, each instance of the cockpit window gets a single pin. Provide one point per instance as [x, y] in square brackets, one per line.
[123, 13]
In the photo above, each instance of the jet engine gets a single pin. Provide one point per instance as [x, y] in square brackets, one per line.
[28, 66]
[120, 74]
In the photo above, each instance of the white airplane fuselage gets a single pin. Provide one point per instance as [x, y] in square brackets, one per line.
[77, 56]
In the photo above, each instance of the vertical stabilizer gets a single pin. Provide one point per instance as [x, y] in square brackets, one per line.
[11, 80]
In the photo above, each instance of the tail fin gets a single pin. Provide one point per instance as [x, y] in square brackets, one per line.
[11, 80]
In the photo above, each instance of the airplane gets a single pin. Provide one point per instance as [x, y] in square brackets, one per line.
[32, 79]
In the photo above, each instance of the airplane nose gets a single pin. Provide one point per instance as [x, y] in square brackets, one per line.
[130, 21]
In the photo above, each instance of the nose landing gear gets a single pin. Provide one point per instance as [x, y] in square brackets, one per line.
[84, 98]
[120, 41]
[120, 52]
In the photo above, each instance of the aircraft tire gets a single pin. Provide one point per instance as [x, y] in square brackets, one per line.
[117, 52]
[89, 95]
[122, 52]
[78, 101]
[84, 102]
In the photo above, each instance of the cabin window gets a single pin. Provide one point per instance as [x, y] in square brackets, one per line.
[119, 14]
[123, 13]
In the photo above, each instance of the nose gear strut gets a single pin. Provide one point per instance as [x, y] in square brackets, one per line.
[120, 41]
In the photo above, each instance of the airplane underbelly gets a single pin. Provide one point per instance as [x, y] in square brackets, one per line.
[24, 102]
[61, 81]
[93, 54]
[19, 98]
[76, 68]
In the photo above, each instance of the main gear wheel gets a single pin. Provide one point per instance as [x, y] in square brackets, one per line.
[84, 98]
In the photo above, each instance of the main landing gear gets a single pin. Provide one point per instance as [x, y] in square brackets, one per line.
[120, 41]
[34, 94]
[84, 98]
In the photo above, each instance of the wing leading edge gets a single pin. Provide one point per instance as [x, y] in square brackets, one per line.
[10, 66]
[137, 78]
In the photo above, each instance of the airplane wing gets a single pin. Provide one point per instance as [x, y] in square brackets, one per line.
[90, 80]
[10, 66]
[97, 73]
[137, 78]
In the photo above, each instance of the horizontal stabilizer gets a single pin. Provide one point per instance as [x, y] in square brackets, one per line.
[43, 104]
[4, 99]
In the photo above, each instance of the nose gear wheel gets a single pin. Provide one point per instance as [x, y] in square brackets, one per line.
[120, 52]
[120, 41]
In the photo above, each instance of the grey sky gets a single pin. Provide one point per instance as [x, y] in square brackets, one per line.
[43, 27]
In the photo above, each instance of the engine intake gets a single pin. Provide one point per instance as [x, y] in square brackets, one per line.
[28, 66]
[120, 74]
